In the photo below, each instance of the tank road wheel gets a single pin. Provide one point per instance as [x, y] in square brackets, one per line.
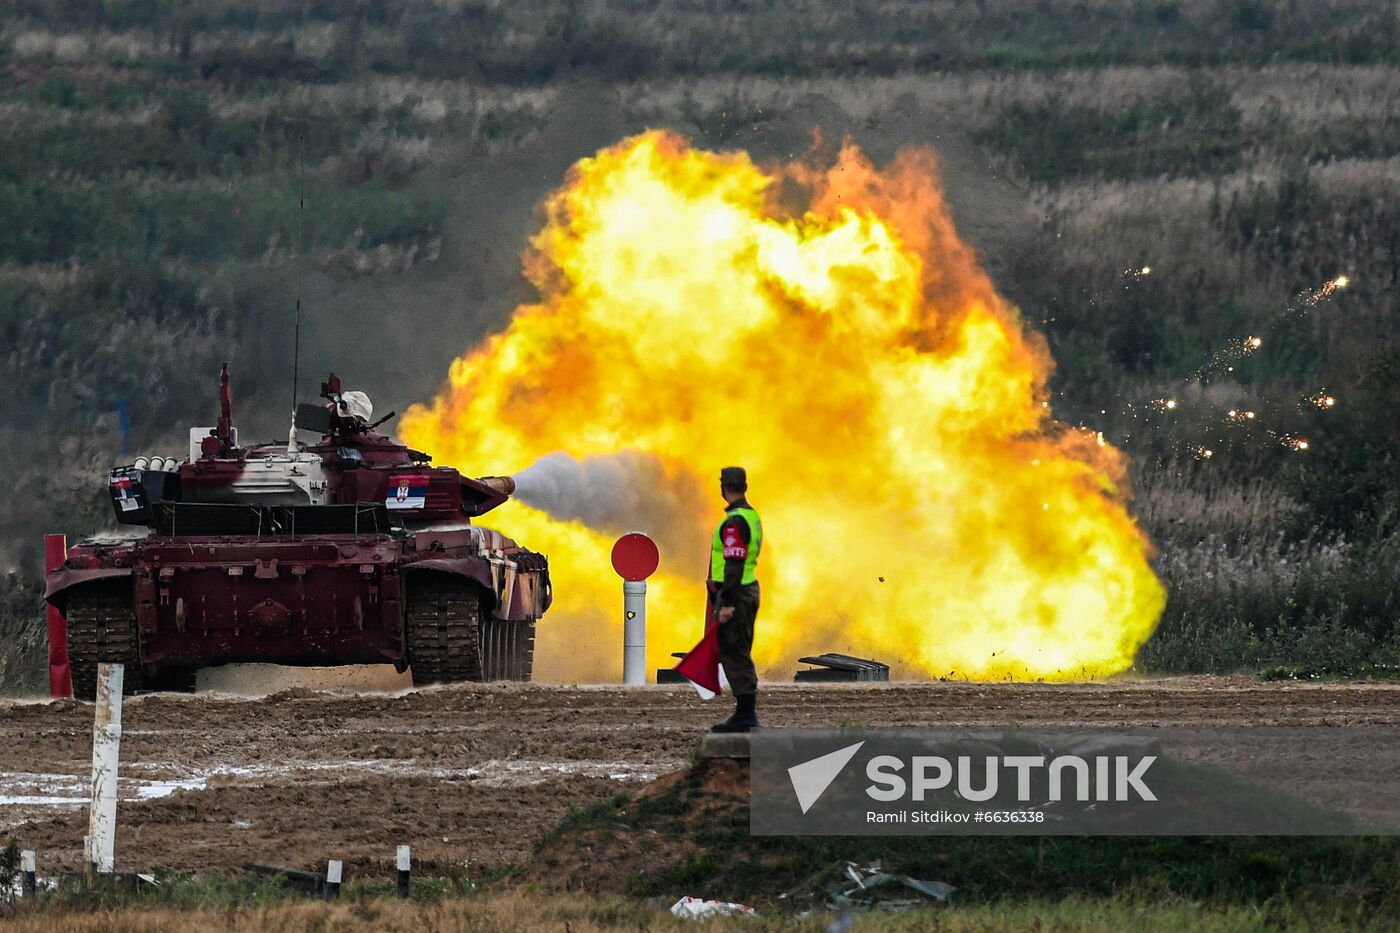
[443, 629]
[507, 648]
[102, 627]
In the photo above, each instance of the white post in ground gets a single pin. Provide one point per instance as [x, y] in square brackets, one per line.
[29, 882]
[106, 748]
[333, 872]
[634, 632]
[403, 862]
[634, 557]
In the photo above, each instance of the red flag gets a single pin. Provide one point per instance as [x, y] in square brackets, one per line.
[701, 666]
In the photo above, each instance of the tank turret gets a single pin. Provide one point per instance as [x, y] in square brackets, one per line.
[349, 464]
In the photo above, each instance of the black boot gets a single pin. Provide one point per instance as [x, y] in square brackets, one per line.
[745, 716]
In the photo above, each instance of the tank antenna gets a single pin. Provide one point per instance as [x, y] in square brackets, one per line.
[301, 269]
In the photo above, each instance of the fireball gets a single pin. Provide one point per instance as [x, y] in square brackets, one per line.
[827, 329]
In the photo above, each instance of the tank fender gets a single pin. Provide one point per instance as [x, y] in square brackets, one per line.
[457, 567]
[515, 594]
[59, 583]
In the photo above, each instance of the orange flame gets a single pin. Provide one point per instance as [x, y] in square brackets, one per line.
[828, 330]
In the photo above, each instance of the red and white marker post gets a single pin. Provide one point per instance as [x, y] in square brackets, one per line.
[60, 672]
[635, 558]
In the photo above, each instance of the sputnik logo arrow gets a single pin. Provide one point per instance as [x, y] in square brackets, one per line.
[811, 778]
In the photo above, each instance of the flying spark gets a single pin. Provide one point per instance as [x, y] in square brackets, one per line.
[1239, 417]
[1225, 360]
[1325, 291]
[1322, 400]
[1292, 442]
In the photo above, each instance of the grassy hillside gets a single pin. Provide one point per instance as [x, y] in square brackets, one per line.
[157, 155]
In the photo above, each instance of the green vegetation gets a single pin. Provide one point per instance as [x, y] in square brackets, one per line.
[9, 871]
[1195, 130]
[202, 221]
[536, 41]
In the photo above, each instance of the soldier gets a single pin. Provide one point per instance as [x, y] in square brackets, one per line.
[733, 589]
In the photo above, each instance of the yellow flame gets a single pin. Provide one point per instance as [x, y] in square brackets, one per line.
[828, 330]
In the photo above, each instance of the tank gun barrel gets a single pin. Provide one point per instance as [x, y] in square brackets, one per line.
[505, 485]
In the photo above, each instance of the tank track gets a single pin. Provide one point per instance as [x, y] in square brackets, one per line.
[443, 630]
[452, 637]
[102, 627]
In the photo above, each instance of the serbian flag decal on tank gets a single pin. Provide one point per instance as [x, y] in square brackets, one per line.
[125, 493]
[407, 491]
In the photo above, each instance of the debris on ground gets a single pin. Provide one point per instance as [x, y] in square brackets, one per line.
[694, 908]
[845, 885]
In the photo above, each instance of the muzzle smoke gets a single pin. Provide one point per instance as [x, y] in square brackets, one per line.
[630, 490]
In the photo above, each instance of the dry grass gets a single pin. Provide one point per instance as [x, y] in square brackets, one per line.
[1183, 508]
[524, 910]
[1278, 104]
[432, 101]
[314, 41]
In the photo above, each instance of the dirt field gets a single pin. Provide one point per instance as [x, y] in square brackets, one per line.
[474, 774]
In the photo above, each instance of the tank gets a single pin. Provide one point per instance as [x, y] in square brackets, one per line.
[352, 549]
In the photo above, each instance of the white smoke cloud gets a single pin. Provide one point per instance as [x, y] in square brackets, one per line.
[626, 491]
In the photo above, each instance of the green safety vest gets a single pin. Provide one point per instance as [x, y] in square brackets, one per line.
[755, 542]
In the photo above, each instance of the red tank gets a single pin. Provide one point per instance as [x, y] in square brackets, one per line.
[353, 549]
